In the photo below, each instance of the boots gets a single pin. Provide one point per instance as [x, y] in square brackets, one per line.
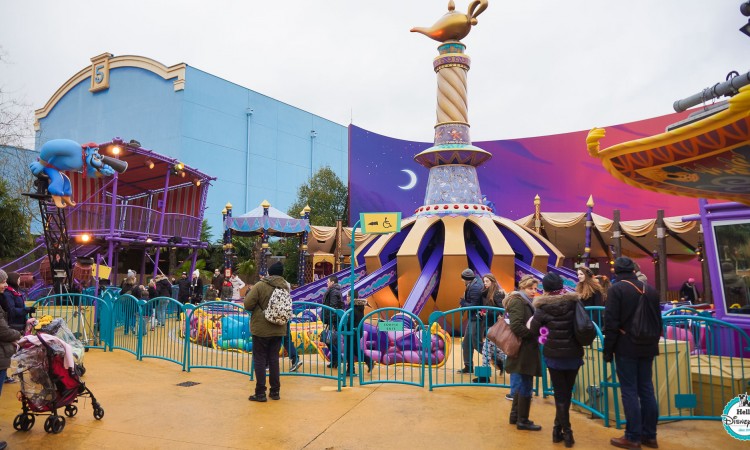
[557, 433]
[523, 423]
[568, 437]
[514, 411]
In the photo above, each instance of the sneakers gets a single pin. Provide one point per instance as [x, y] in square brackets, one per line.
[464, 370]
[296, 366]
[259, 398]
[508, 397]
[274, 396]
[10, 380]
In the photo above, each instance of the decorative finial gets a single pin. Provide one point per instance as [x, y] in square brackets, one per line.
[590, 203]
[228, 206]
[265, 204]
[224, 212]
[307, 209]
[537, 200]
[454, 26]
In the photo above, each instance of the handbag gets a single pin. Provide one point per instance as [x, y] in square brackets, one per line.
[501, 335]
[583, 326]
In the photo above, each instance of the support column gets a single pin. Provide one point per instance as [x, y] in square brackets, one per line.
[163, 204]
[337, 252]
[301, 269]
[263, 265]
[226, 214]
[142, 274]
[616, 235]
[589, 224]
[661, 236]
[537, 214]
[707, 296]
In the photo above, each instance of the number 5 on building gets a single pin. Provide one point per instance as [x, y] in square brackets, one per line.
[100, 72]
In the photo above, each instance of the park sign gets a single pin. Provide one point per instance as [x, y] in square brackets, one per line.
[380, 222]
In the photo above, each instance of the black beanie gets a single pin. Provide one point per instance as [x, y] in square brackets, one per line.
[276, 269]
[624, 264]
[552, 282]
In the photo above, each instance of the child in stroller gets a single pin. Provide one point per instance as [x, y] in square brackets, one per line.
[50, 379]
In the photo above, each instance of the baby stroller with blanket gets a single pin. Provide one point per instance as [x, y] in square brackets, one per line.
[50, 380]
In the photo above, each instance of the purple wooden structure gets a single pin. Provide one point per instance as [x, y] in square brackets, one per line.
[157, 203]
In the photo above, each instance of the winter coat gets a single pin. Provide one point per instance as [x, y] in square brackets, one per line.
[519, 312]
[689, 292]
[8, 338]
[594, 300]
[622, 301]
[557, 313]
[196, 288]
[333, 299]
[126, 288]
[237, 284]
[15, 309]
[151, 292]
[217, 281]
[256, 302]
[163, 287]
[473, 296]
[183, 293]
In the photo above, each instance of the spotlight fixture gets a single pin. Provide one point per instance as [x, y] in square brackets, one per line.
[149, 240]
[115, 150]
[177, 169]
[197, 182]
[746, 28]
[84, 238]
[745, 10]
[134, 143]
[182, 174]
[148, 163]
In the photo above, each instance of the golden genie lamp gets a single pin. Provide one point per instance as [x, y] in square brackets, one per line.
[453, 229]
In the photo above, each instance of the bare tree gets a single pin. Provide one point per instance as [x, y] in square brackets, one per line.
[16, 132]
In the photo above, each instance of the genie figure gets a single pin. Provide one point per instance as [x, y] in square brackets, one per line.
[60, 155]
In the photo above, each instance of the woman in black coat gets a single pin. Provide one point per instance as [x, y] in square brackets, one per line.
[555, 309]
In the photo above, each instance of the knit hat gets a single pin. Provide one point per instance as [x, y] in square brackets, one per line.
[467, 274]
[131, 273]
[196, 273]
[552, 282]
[276, 269]
[691, 280]
[624, 264]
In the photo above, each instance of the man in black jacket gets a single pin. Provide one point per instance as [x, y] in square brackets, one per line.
[333, 299]
[183, 292]
[472, 338]
[633, 361]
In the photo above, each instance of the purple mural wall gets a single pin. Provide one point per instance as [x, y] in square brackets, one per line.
[383, 175]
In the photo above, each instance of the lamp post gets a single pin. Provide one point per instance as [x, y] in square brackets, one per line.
[226, 214]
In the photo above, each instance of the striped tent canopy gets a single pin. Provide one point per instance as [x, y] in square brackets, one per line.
[276, 223]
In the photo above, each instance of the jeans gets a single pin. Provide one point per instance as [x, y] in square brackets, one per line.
[638, 398]
[266, 353]
[471, 341]
[521, 384]
[563, 382]
[3, 375]
[333, 347]
[161, 311]
[291, 349]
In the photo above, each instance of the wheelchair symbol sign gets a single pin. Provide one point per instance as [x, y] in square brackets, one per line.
[380, 223]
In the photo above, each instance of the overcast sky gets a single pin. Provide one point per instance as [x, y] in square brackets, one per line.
[538, 67]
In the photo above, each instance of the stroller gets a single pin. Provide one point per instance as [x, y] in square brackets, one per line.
[50, 379]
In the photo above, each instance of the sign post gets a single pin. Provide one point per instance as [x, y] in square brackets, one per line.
[370, 223]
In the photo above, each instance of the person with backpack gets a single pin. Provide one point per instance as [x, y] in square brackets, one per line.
[267, 335]
[632, 329]
[563, 354]
[332, 298]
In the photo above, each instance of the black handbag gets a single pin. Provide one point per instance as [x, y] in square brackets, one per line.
[583, 326]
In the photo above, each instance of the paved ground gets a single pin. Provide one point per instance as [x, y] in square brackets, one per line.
[145, 409]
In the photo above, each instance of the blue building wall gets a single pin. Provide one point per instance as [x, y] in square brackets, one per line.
[257, 147]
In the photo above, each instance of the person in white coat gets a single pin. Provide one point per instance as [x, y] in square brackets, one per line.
[237, 284]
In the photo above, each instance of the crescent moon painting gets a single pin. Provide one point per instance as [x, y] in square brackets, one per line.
[412, 179]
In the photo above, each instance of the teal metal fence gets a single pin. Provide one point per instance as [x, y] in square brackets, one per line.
[396, 342]
[694, 375]
[465, 361]
[86, 316]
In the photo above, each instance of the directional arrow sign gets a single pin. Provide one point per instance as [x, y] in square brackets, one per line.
[380, 223]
